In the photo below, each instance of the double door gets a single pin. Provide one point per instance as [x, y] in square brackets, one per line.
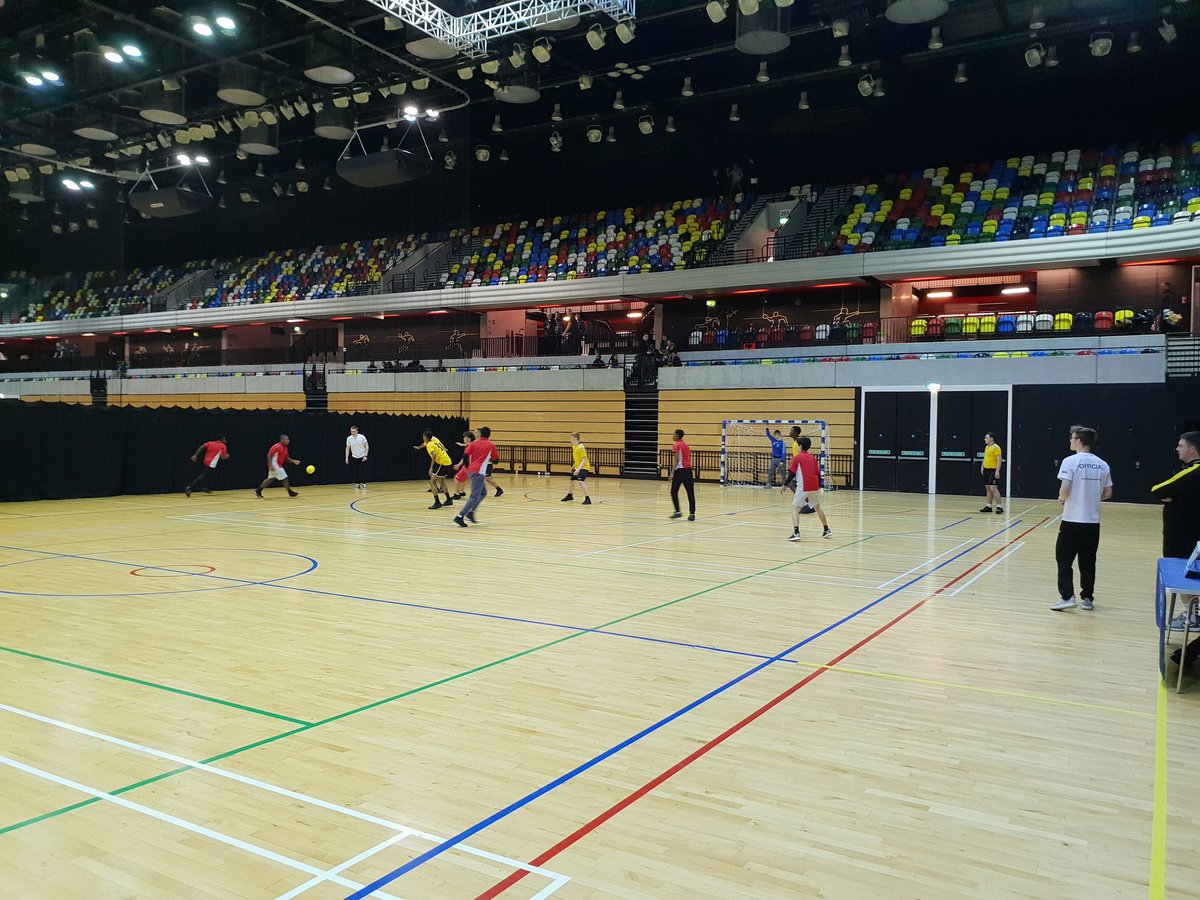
[896, 441]
[963, 418]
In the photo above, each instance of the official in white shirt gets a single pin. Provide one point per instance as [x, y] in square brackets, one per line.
[1084, 481]
[357, 449]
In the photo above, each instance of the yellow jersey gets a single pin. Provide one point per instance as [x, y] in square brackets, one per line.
[579, 458]
[991, 456]
[437, 451]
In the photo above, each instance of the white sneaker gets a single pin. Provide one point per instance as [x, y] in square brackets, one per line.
[794, 537]
[1069, 603]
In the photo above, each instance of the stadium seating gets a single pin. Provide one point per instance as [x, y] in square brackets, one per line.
[90, 294]
[1021, 198]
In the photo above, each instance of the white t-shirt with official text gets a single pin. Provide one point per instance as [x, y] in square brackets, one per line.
[358, 445]
[1088, 476]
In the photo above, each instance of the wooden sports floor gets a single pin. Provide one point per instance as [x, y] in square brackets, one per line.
[345, 693]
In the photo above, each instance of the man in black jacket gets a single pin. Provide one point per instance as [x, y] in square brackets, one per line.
[1180, 496]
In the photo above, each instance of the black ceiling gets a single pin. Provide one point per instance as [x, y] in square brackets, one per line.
[675, 39]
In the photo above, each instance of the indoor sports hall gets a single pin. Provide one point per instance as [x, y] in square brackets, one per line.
[577, 450]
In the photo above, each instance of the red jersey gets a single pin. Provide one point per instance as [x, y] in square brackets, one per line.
[810, 472]
[277, 455]
[214, 450]
[481, 456]
[683, 455]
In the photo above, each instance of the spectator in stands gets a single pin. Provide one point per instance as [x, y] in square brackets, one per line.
[673, 360]
[440, 367]
[613, 362]
[60, 352]
[554, 329]
[371, 367]
[598, 362]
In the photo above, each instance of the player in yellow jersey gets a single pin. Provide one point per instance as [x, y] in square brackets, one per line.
[439, 468]
[990, 469]
[580, 469]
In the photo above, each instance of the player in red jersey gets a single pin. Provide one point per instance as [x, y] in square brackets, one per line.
[277, 458]
[213, 452]
[682, 477]
[808, 490]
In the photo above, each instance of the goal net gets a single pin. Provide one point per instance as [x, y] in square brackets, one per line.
[746, 448]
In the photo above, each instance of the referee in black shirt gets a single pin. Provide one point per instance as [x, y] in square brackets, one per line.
[1180, 497]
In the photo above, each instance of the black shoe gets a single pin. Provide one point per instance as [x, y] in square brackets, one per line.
[258, 493]
[806, 510]
[566, 499]
[459, 495]
[447, 501]
[676, 515]
[691, 517]
[436, 505]
[292, 493]
[458, 521]
[187, 491]
[999, 509]
[986, 509]
[587, 501]
[470, 517]
[499, 492]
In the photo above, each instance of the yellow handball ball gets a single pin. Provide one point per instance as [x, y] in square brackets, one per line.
[311, 469]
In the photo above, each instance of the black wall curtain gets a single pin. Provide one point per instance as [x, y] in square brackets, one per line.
[52, 451]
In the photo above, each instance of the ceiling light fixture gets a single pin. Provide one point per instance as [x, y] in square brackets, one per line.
[595, 36]
[200, 26]
[1167, 31]
[1100, 43]
[619, 101]
[935, 38]
[670, 126]
[516, 57]
[483, 153]
[646, 124]
[734, 115]
[866, 85]
[556, 114]
[133, 51]
[763, 76]
[496, 126]
[840, 28]
[612, 134]
[687, 87]
[585, 82]
[1034, 56]
[594, 134]
[748, 7]
[556, 143]
[960, 74]
[1036, 20]
[844, 60]
[717, 10]
[541, 50]
[1051, 57]
[1134, 45]
[226, 23]
[626, 31]
[804, 100]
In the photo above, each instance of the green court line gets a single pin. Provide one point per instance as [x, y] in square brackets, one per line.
[307, 726]
[151, 684]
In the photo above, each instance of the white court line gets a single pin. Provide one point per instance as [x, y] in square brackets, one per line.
[341, 867]
[891, 581]
[184, 824]
[669, 537]
[276, 789]
[962, 587]
[1052, 521]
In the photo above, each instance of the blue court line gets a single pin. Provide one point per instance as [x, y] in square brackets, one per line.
[318, 592]
[650, 729]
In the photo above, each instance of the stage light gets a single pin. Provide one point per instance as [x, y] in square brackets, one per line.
[595, 36]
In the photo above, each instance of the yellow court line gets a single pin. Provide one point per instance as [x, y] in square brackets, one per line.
[1158, 832]
[1019, 695]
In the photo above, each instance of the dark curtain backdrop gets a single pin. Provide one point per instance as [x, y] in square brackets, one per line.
[57, 452]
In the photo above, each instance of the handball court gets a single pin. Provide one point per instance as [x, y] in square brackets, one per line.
[346, 695]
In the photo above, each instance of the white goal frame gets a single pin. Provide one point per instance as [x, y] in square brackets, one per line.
[821, 424]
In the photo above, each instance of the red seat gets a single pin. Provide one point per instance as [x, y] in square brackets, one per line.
[1103, 321]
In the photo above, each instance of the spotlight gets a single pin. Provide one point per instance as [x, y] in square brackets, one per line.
[866, 85]
[717, 10]
[341, 101]
[32, 80]
[687, 87]
[516, 57]
[420, 84]
[626, 31]
[1034, 56]
[619, 101]
[164, 140]
[595, 36]
[491, 67]
[183, 159]
[878, 92]
[496, 126]
[277, 189]
[56, 227]
[226, 23]
[92, 223]
[202, 160]
[840, 28]
[302, 104]
[1051, 57]
[360, 96]
[1101, 43]
[112, 55]
[670, 126]
[200, 26]
[252, 118]
[466, 73]
[221, 179]
[302, 186]
[748, 7]
[50, 76]
[541, 50]
[935, 38]
[844, 60]
[594, 134]
[612, 134]
[734, 115]
[327, 186]
[556, 143]
[286, 110]
[1167, 31]
[133, 51]
[291, 191]
[450, 160]
[410, 110]
[1135, 45]
[585, 82]
[804, 100]
[260, 172]
[1036, 19]
[556, 115]
[299, 167]
[70, 184]
[960, 74]
[504, 157]
[182, 136]
[208, 131]
[483, 153]
[646, 124]
[763, 76]
[432, 115]
[443, 138]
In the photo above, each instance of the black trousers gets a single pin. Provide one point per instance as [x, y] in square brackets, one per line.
[358, 469]
[1077, 539]
[203, 480]
[683, 478]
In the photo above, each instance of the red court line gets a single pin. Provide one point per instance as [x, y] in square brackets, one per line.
[588, 827]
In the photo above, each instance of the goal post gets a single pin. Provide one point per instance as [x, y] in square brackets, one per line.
[746, 451]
